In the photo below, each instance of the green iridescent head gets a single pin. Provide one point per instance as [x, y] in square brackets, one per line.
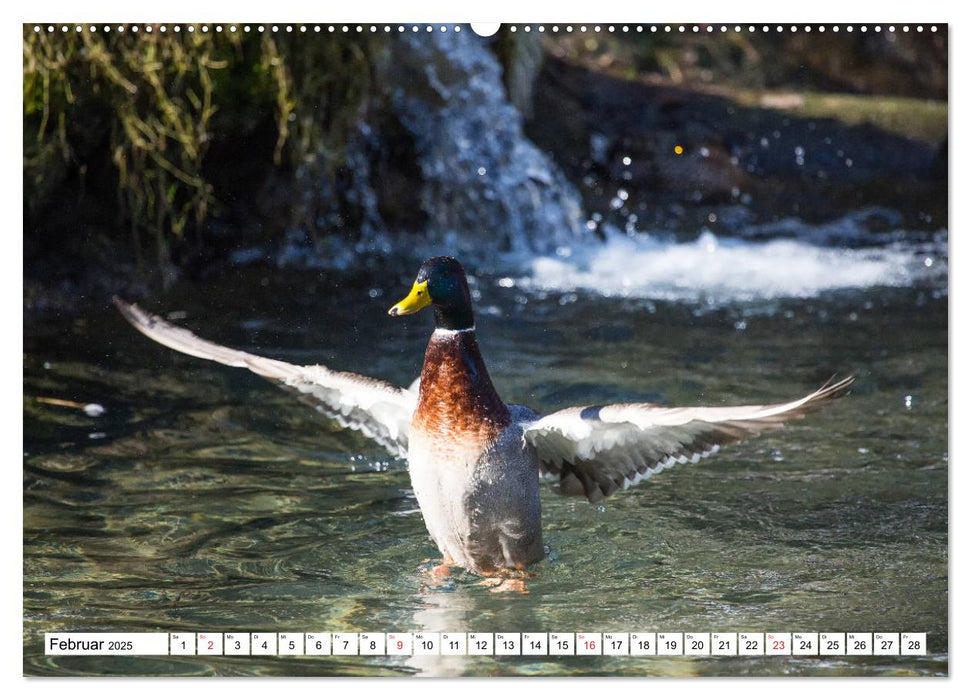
[440, 284]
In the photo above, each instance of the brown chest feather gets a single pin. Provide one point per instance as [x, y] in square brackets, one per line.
[456, 398]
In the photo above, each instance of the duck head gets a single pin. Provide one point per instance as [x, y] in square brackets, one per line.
[440, 284]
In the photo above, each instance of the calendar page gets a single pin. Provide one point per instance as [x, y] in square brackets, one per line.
[519, 349]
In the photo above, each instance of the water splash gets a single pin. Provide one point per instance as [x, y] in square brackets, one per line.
[718, 270]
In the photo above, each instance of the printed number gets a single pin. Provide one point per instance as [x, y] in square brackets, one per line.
[535, 645]
[125, 646]
[319, 645]
[914, 644]
[832, 645]
[454, 644]
[238, 645]
[616, 644]
[723, 645]
[778, 645]
[293, 644]
[590, 644]
[697, 645]
[427, 644]
[264, 646]
[886, 644]
[347, 643]
[373, 645]
[751, 645]
[805, 646]
[481, 645]
[508, 645]
[644, 645]
[563, 644]
[400, 645]
[671, 644]
[859, 644]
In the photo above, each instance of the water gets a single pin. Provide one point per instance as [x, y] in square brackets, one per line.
[719, 270]
[204, 499]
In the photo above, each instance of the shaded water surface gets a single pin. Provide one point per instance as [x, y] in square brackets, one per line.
[205, 499]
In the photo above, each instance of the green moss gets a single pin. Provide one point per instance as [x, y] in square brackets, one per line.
[152, 103]
[922, 120]
[917, 119]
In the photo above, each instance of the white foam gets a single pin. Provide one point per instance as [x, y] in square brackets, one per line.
[720, 270]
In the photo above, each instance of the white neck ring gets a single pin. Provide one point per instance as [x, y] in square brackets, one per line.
[447, 331]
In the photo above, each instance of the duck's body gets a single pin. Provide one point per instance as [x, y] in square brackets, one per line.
[475, 477]
[474, 460]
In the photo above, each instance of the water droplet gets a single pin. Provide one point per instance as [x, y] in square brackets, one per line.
[740, 325]
[908, 402]
[862, 450]
[601, 509]
[928, 262]
[591, 225]
[704, 152]
[712, 218]
[626, 160]
[622, 194]
[506, 282]
[94, 410]
[481, 171]
[375, 292]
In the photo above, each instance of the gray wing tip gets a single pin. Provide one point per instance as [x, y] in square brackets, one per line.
[133, 313]
[833, 388]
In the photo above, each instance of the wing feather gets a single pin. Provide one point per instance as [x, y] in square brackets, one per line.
[598, 450]
[377, 409]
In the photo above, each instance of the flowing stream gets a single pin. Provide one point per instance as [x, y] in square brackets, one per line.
[204, 499]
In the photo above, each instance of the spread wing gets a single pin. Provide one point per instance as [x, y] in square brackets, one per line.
[379, 410]
[597, 450]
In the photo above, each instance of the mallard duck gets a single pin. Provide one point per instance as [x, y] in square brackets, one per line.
[474, 460]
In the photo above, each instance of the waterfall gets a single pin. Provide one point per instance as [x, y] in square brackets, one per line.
[481, 186]
[483, 180]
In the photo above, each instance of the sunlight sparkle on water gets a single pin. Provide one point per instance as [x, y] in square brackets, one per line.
[718, 270]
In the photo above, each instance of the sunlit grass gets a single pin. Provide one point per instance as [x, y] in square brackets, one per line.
[921, 120]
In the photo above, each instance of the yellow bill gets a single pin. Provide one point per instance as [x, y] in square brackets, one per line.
[416, 300]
